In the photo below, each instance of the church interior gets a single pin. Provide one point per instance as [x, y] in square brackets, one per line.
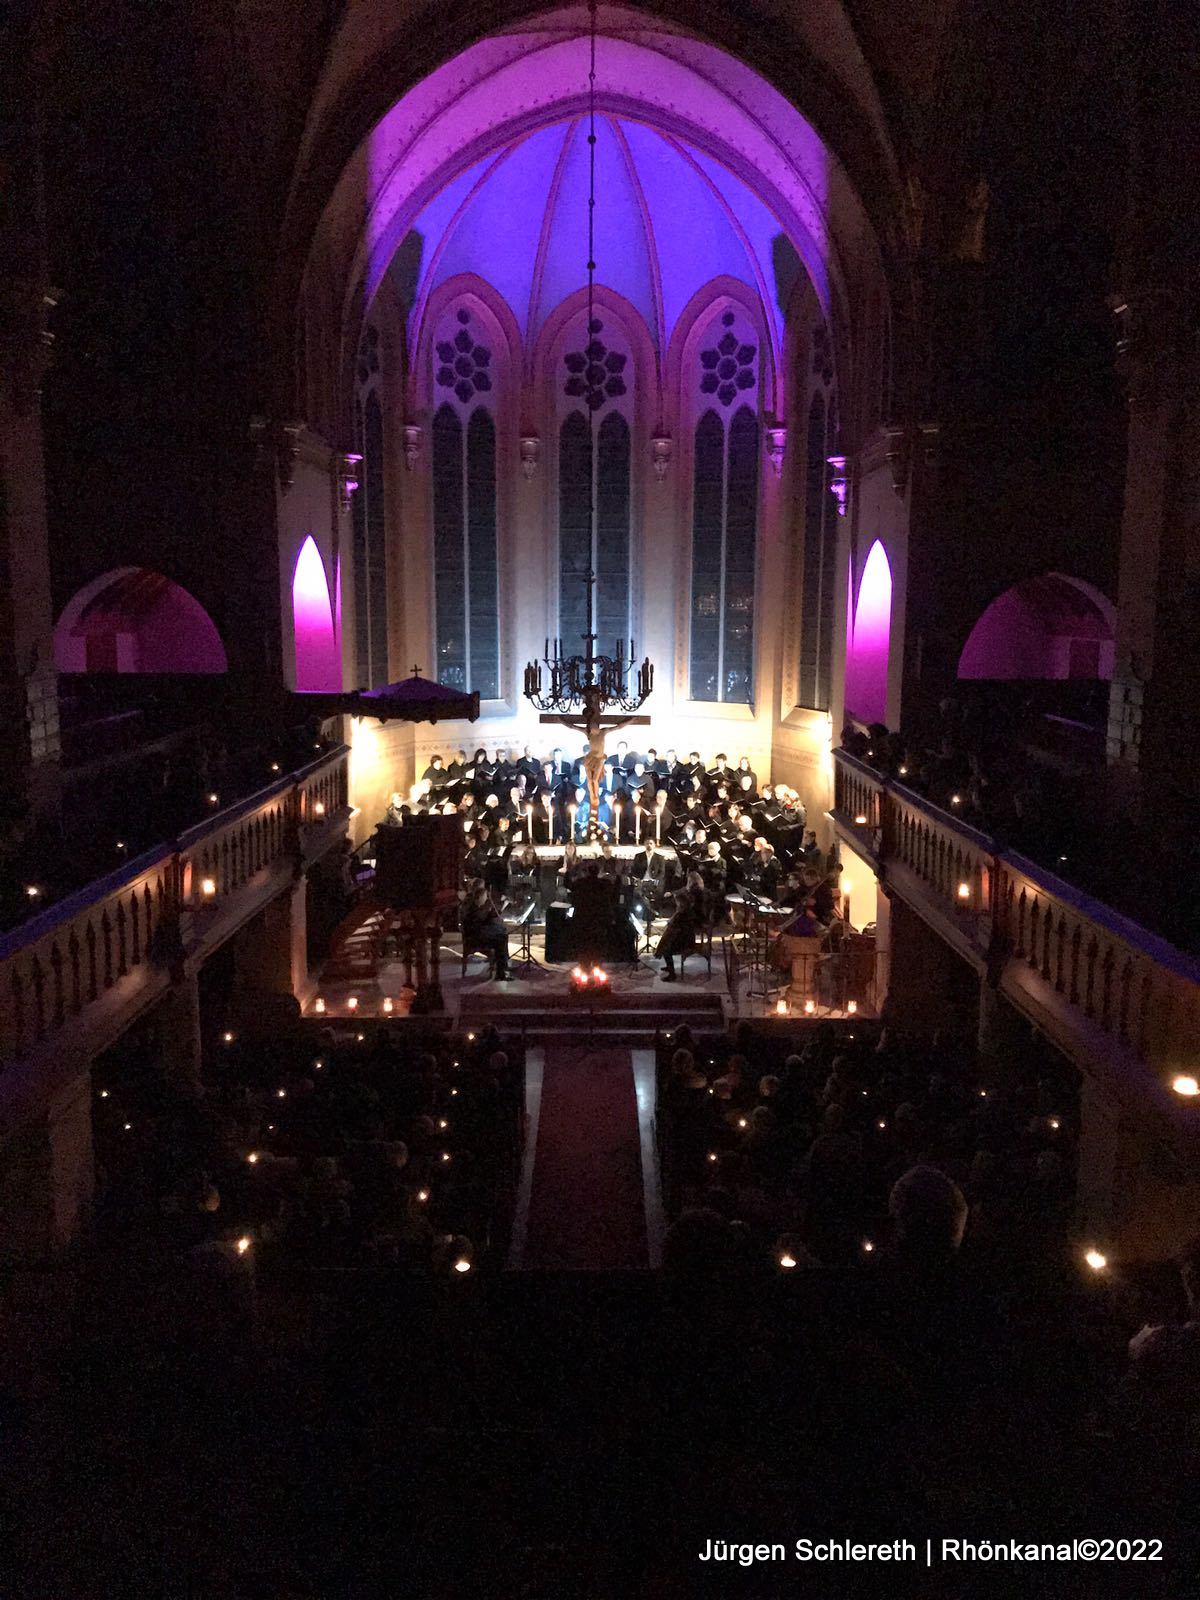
[599, 952]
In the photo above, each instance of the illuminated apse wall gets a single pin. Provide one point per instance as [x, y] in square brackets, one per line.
[867, 649]
[317, 663]
[722, 211]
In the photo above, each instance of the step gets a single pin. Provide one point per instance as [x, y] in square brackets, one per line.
[492, 997]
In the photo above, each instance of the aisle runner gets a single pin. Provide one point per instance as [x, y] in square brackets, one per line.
[586, 1211]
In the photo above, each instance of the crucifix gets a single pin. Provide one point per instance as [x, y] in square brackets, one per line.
[584, 692]
[596, 725]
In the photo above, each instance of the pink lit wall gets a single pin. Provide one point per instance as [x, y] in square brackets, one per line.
[317, 665]
[1048, 627]
[135, 620]
[867, 651]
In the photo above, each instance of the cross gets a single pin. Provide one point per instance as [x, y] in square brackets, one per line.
[595, 724]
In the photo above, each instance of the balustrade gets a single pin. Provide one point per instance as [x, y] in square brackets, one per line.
[1124, 984]
[116, 933]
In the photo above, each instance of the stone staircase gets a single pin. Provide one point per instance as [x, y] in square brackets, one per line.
[625, 1018]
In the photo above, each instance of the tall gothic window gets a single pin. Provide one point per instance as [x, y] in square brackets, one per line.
[725, 515]
[594, 393]
[465, 574]
[370, 524]
[820, 534]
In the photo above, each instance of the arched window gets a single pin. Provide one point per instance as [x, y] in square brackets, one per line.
[725, 514]
[318, 667]
[465, 573]
[595, 395]
[370, 525]
[867, 654]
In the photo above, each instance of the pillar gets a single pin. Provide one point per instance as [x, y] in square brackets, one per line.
[1003, 1034]
[298, 915]
[28, 682]
[47, 1179]
[180, 1047]
[929, 986]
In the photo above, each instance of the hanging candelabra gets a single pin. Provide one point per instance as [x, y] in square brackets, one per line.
[581, 683]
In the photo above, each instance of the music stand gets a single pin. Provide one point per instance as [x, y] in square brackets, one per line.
[525, 960]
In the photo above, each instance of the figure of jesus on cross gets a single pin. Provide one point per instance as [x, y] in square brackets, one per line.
[596, 725]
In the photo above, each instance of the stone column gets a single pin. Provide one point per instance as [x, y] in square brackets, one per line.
[28, 682]
[47, 1178]
[1003, 1034]
[178, 1017]
[298, 926]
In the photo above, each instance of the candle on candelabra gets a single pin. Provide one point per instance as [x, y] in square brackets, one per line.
[657, 826]
[617, 814]
[529, 824]
[637, 823]
[571, 811]
[549, 820]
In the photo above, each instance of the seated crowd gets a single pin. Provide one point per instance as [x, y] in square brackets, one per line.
[686, 837]
[803, 1151]
[342, 1151]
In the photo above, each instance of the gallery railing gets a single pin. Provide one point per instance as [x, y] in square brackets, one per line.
[118, 934]
[1079, 967]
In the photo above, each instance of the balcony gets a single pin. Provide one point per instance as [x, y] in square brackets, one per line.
[1122, 1003]
[73, 978]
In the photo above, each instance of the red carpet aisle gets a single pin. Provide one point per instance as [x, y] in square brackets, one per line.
[586, 1211]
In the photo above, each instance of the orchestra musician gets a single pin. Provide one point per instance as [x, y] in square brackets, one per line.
[483, 929]
[726, 830]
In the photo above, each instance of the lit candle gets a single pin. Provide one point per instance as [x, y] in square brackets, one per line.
[617, 809]
[572, 810]
[658, 827]
[529, 823]
[637, 823]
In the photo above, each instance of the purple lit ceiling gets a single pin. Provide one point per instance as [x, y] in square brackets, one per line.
[669, 219]
[705, 168]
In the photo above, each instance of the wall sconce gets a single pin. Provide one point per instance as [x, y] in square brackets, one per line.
[531, 452]
[776, 448]
[412, 444]
[839, 483]
[662, 448]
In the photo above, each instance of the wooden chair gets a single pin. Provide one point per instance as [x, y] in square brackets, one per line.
[702, 946]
